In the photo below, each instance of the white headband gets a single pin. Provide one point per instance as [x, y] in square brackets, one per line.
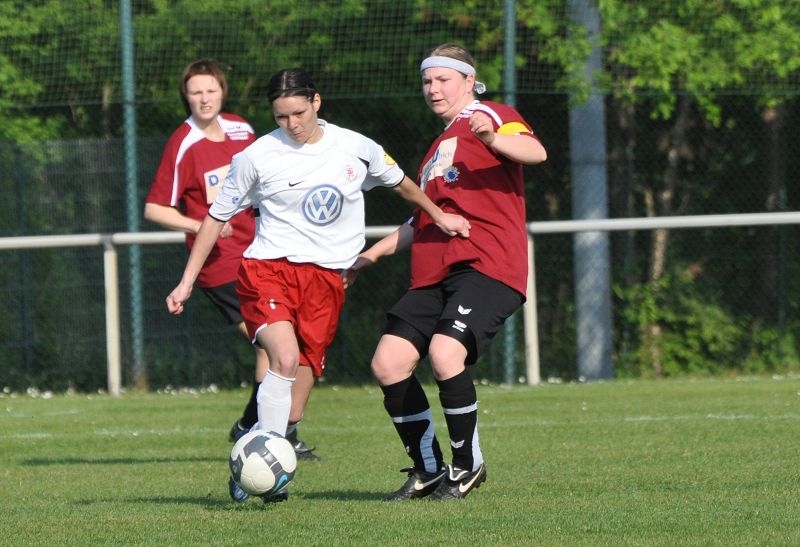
[440, 61]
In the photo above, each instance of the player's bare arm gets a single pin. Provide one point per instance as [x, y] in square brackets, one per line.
[170, 218]
[519, 148]
[367, 258]
[206, 237]
[449, 223]
[397, 241]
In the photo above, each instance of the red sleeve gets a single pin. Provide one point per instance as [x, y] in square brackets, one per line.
[164, 185]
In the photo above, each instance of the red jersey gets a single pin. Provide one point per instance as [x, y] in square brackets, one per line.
[191, 173]
[463, 176]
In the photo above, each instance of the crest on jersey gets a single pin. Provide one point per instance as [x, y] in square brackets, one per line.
[450, 174]
[323, 204]
[350, 173]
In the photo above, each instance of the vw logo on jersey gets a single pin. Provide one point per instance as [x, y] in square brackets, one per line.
[323, 204]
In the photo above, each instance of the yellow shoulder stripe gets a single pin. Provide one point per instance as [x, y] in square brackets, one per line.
[512, 128]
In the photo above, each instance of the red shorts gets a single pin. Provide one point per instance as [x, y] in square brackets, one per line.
[308, 296]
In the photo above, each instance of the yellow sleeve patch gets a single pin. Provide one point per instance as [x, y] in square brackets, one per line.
[388, 159]
[512, 128]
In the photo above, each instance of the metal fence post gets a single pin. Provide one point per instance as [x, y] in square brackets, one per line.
[531, 322]
[111, 281]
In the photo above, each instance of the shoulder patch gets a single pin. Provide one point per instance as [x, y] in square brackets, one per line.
[388, 159]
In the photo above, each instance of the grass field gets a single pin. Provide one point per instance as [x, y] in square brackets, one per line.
[706, 462]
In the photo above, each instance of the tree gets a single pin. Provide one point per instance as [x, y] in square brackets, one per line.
[675, 62]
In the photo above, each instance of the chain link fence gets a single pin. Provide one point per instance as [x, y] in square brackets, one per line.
[718, 300]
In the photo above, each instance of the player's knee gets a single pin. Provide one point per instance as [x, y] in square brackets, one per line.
[285, 364]
[447, 355]
[380, 369]
[394, 360]
[384, 367]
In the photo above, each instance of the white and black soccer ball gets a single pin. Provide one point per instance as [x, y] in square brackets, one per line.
[262, 462]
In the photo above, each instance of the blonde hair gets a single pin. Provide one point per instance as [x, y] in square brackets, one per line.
[456, 57]
[454, 51]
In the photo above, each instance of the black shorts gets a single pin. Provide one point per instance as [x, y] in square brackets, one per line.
[225, 300]
[467, 305]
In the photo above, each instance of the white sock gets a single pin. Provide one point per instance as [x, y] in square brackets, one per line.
[274, 403]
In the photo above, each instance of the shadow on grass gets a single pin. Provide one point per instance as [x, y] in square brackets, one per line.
[208, 502]
[343, 495]
[35, 462]
[213, 502]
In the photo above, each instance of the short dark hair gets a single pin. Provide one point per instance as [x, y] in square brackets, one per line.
[208, 67]
[291, 82]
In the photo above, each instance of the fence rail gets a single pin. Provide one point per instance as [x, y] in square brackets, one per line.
[656, 223]
[110, 242]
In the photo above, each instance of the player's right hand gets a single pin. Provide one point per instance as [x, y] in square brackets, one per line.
[177, 298]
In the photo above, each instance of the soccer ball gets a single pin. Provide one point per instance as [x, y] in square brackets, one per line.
[262, 462]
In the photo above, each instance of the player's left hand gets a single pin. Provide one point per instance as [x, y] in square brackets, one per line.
[454, 225]
[227, 230]
[482, 127]
[350, 274]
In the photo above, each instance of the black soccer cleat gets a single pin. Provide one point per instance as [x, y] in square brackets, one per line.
[303, 452]
[237, 431]
[458, 483]
[276, 497]
[419, 485]
[301, 449]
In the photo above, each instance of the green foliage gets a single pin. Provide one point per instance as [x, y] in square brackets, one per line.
[772, 350]
[52, 329]
[699, 48]
[61, 122]
[74, 67]
[698, 336]
[35, 36]
[564, 45]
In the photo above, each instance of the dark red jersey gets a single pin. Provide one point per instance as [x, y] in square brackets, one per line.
[463, 176]
[191, 173]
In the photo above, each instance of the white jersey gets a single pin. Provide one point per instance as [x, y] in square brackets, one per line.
[310, 197]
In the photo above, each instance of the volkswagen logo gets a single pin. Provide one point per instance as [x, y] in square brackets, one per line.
[323, 204]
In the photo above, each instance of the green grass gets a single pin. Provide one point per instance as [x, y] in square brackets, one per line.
[707, 462]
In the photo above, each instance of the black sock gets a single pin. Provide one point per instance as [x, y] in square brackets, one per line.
[250, 416]
[460, 405]
[291, 432]
[410, 411]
